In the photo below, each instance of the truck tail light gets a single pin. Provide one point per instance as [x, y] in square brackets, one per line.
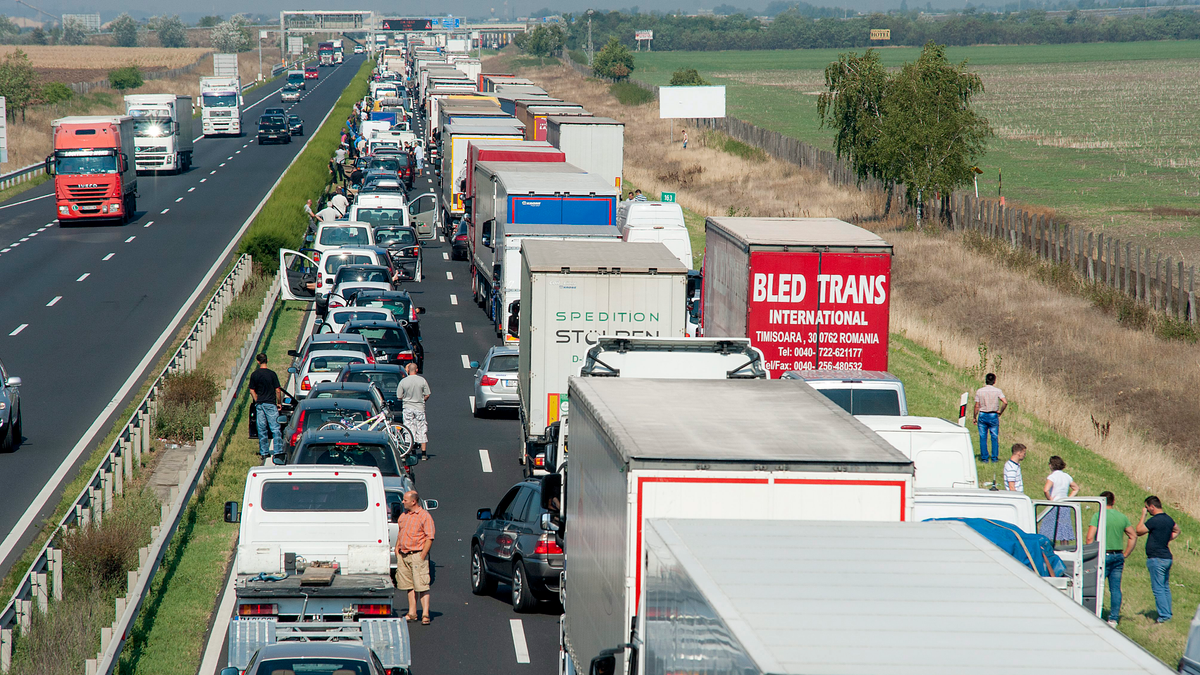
[488, 381]
[910, 427]
[539, 461]
[305, 385]
[373, 610]
[258, 610]
[547, 546]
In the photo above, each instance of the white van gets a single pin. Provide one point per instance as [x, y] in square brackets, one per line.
[858, 392]
[941, 450]
[656, 221]
[1005, 506]
[381, 208]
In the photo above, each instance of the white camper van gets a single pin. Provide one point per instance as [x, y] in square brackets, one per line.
[656, 221]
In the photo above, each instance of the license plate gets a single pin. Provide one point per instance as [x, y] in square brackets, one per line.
[510, 383]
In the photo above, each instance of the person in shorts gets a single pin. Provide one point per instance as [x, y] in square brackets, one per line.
[413, 541]
[413, 392]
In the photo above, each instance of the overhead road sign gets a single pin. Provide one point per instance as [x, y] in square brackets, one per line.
[408, 25]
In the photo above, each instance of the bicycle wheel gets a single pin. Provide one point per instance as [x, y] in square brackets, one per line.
[331, 426]
[403, 438]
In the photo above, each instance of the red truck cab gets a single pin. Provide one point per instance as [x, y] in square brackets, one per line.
[94, 173]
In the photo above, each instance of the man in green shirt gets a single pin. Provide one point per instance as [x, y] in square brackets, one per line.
[1119, 539]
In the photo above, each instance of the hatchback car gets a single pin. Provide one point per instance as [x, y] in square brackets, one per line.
[311, 73]
[460, 244]
[10, 410]
[318, 658]
[385, 376]
[352, 447]
[336, 320]
[290, 93]
[496, 380]
[322, 366]
[273, 128]
[389, 340]
[512, 545]
[312, 413]
[400, 302]
[296, 125]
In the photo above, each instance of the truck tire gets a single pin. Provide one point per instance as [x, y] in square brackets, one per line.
[482, 583]
[522, 595]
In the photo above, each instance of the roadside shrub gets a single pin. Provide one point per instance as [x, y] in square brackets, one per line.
[129, 77]
[688, 77]
[629, 93]
[719, 141]
[245, 309]
[57, 92]
[184, 405]
[98, 556]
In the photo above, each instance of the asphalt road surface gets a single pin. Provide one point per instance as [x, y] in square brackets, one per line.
[81, 307]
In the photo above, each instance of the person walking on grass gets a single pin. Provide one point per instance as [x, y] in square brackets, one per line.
[413, 392]
[1119, 540]
[1012, 469]
[267, 396]
[685, 139]
[1160, 530]
[989, 406]
[413, 541]
[1059, 485]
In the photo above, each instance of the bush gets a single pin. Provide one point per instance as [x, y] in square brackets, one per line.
[129, 77]
[56, 92]
[184, 405]
[614, 61]
[629, 93]
[688, 77]
[578, 57]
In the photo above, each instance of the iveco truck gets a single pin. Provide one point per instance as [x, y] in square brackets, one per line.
[92, 165]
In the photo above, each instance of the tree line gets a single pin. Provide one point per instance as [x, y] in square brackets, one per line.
[794, 30]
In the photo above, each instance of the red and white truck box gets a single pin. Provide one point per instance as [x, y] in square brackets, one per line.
[810, 293]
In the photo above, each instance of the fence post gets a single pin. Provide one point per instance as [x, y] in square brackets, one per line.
[56, 572]
[1091, 267]
[1180, 306]
[1158, 282]
[5, 649]
[1169, 290]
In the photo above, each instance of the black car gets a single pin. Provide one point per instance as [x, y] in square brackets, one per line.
[10, 411]
[385, 376]
[273, 128]
[296, 125]
[400, 302]
[512, 544]
[460, 244]
[275, 111]
[404, 248]
[352, 447]
[390, 341]
[313, 413]
[353, 391]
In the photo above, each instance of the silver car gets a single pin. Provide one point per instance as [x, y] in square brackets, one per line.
[496, 380]
[10, 411]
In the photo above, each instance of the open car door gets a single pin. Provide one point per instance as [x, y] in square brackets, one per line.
[1065, 524]
[299, 275]
[423, 212]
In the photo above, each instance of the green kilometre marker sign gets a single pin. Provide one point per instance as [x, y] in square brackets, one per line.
[668, 196]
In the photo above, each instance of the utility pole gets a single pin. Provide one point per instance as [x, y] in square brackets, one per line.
[591, 49]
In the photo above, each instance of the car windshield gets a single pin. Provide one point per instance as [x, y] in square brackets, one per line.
[219, 101]
[387, 237]
[70, 164]
[313, 419]
[294, 119]
[462, 228]
[399, 307]
[506, 363]
[387, 164]
[347, 317]
[333, 364]
[384, 337]
[151, 127]
[386, 382]
[345, 236]
[380, 217]
[335, 262]
[369, 276]
[348, 454]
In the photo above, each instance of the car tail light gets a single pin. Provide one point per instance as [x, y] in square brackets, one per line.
[404, 356]
[488, 381]
[319, 282]
[299, 426]
[373, 610]
[335, 303]
[258, 610]
[547, 546]
[305, 385]
[412, 313]
[317, 256]
[461, 237]
[370, 358]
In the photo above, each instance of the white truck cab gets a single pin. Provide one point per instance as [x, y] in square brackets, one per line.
[941, 450]
[858, 392]
[656, 221]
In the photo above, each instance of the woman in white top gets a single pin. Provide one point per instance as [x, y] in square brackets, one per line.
[1058, 527]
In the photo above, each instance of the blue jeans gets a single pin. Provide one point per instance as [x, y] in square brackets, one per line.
[1160, 584]
[989, 426]
[1114, 565]
[270, 437]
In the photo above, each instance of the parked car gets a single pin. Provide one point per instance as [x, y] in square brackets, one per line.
[390, 341]
[460, 244]
[351, 447]
[312, 657]
[323, 366]
[332, 342]
[336, 320]
[296, 125]
[496, 380]
[10, 410]
[400, 302]
[513, 545]
[356, 391]
[290, 93]
[385, 376]
[404, 247]
[273, 128]
[313, 413]
[311, 73]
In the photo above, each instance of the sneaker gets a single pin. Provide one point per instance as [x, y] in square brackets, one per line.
[1163, 620]
[1112, 623]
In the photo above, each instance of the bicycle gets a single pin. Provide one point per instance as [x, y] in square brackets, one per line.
[400, 435]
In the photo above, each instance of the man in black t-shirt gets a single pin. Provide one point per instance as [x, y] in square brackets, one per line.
[1159, 530]
[267, 395]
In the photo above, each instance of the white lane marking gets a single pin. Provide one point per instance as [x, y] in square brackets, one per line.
[445, 256]
[227, 159]
[453, 299]
[519, 645]
[108, 257]
[202, 180]
[54, 301]
[5, 250]
[84, 276]
[485, 460]
[237, 153]
[163, 211]
[148, 224]
[178, 199]
[33, 234]
[457, 326]
[213, 171]
[472, 400]
[131, 239]
[9, 206]
[245, 145]
[466, 361]
[19, 329]
[41, 229]
[222, 164]
[191, 189]
[198, 138]
[440, 238]
[15, 244]
[450, 276]
[24, 238]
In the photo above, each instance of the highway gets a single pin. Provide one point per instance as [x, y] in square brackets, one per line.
[86, 311]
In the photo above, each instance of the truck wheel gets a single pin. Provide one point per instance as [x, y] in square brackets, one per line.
[482, 583]
[522, 596]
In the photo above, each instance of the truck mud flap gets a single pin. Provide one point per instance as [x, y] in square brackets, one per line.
[389, 639]
[247, 636]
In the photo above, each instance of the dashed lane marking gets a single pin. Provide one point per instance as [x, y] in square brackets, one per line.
[519, 644]
[457, 326]
[466, 361]
[148, 224]
[191, 189]
[19, 329]
[453, 299]
[108, 257]
[163, 211]
[84, 276]
[54, 301]
[178, 199]
[213, 171]
[201, 180]
[131, 239]
[450, 276]
[485, 460]
[472, 401]
[445, 256]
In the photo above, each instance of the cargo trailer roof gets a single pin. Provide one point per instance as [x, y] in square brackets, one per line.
[819, 598]
[584, 257]
[804, 232]
[713, 420]
[581, 119]
[528, 178]
[474, 125]
[553, 230]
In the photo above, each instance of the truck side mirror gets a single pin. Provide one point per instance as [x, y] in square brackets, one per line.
[605, 664]
[514, 319]
[231, 512]
[49, 165]
[486, 234]
[551, 489]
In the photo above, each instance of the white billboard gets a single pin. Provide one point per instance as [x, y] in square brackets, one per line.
[643, 35]
[691, 102]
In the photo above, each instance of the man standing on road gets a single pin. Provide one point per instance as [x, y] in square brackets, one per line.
[419, 153]
[413, 392]
[267, 395]
[989, 406]
[1160, 529]
[413, 542]
[1012, 469]
[1119, 540]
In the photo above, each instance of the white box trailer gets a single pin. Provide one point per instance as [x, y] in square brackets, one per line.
[574, 291]
[878, 598]
[162, 131]
[594, 144]
[710, 450]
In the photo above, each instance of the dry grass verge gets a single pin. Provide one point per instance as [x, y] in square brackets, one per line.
[92, 57]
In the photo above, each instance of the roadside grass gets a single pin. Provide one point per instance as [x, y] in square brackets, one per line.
[629, 93]
[694, 221]
[17, 189]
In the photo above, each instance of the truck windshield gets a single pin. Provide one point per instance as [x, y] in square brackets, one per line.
[84, 165]
[341, 454]
[279, 495]
[151, 127]
[219, 100]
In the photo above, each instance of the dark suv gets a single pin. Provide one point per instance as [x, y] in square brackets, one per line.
[514, 545]
[273, 128]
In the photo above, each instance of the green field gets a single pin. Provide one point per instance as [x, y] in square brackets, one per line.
[1107, 135]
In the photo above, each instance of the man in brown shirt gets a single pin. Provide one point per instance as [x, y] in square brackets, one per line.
[990, 404]
[412, 555]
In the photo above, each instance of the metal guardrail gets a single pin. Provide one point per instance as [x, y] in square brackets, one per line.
[21, 175]
[44, 578]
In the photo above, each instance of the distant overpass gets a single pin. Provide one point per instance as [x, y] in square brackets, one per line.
[306, 22]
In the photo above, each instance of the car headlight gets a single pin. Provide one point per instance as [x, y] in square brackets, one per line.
[3, 405]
